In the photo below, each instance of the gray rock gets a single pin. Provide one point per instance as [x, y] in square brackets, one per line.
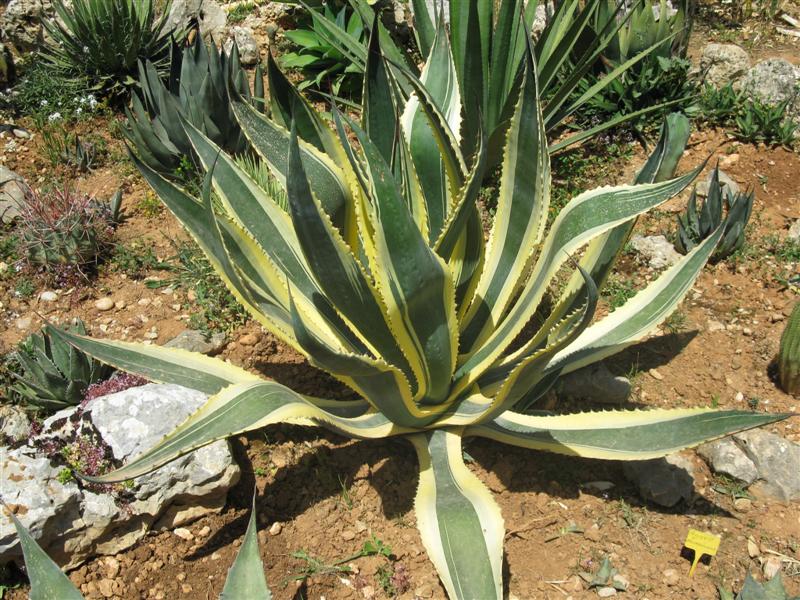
[12, 192]
[724, 180]
[73, 524]
[663, 481]
[777, 461]
[245, 40]
[774, 81]
[794, 230]
[544, 13]
[657, 249]
[595, 383]
[721, 64]
[196, 341]
[726, 457]
[21, 23]
[14, 423]
[209, 14]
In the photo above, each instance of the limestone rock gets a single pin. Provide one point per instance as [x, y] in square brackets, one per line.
[663, 481]
[596, 383]
[777, 461]
[21, 23]
[15, 425]
[774, 81]
[721, 64]
[12, 192]
[72, 523]
[657, 249]
[209, 14]
[245, 40]
[725, 181]
[727, 458]
[196, 341]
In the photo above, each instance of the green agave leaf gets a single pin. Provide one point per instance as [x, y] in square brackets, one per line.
[246, 576]
[48, 581]
[460, 523]
[620, 435]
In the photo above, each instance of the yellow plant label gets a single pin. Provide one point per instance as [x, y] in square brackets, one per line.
[702, 543]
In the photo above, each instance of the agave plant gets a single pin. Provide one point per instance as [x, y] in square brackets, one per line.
[694, 226]
[489, 41]
[197, 90]
[245, 578]
[387, 283]
[104, 39]
[55, 375]
[753, 590]
[322, 64]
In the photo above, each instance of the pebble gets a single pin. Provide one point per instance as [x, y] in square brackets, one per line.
[191, 295]
[184, 533]
[106, 587]
[772, 566]
[671, 577]
[120, 304]
[152, 334]
[144, 302]
[348, 535]
[743, 504]
[739, 397]
[368, 592]
[204, 531]
[23, 323]
[715, 326]
[3, 267]
[775, 317]
[248, 339]
[275, 528]
[186, 588]
[48, 296]
[656, 375]
[606, 592]
[593, 533]
[104, 304]
[620, 581]
[752, 548]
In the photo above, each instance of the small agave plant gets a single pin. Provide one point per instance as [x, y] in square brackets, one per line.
[379, 273]
[245, 578]
[197, 91]
[722, 208]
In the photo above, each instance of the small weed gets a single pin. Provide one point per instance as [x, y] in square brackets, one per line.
[260, 472]
[315, 566]
[149, 205]
[753, 402]
[676, 322]
[9, 246]
[393, 579]
[344, 495]
[786, 251]
[25, 287]
[240, 12]
[618, 291]
[65, 476]
[218, 309]
[43, 92]
[728, 486]
[135, 260]
[715, 401]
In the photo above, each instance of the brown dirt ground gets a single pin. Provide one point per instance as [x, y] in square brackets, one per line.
[330, 494]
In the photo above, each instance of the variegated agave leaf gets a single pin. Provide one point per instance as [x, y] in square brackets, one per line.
[379, 274]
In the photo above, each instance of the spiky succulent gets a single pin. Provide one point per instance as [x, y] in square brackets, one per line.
[379, 274]
[753, 590]
[61, 227]
[55, 374]
[720, 208]
[789, 355]
[104, 39]
[197, 91]
[489, 41]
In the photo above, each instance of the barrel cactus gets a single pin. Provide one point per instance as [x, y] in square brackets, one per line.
[789, 354]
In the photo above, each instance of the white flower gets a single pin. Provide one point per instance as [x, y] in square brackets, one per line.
[43, 103]
[54, 117]
[86, 49]
[78, 110]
